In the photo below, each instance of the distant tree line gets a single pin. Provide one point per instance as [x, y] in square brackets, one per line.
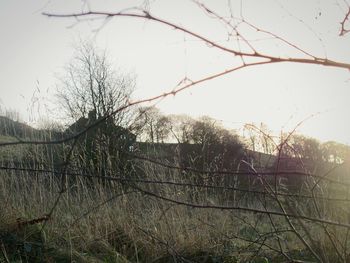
[90, 94]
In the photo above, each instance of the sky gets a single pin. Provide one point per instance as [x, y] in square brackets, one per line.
[35, 49]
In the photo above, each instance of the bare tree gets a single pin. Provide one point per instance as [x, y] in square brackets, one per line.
[282, 216]
[215, 146]
[153, 125]
[335, 152]
[90, 91]
[91, 85]
[181, 127]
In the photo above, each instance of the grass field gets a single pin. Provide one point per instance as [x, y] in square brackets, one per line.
[135, 222]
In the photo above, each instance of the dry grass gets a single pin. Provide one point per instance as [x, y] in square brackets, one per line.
[92, 223]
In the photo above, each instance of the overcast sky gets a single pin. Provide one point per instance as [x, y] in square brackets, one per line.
[34, 50]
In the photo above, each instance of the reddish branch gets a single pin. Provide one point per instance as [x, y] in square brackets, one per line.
[263, 59]
[343, 29]
[143, 14]
[131, 104]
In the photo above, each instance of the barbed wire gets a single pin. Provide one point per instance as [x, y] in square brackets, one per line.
[171, 183]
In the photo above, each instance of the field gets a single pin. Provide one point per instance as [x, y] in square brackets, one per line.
[118, 166]
[168, 215]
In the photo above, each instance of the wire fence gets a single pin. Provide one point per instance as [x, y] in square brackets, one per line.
[269, 214]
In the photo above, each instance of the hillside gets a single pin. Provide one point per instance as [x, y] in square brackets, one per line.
[13, 128]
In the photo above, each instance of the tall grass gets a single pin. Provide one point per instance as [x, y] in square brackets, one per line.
[149, 220]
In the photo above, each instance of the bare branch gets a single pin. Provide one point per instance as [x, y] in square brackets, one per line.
[245, 209]
[270, 59]
[344, 30]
